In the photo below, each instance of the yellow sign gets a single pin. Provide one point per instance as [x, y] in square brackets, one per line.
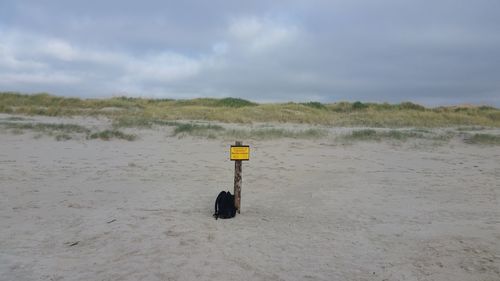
[240, 152]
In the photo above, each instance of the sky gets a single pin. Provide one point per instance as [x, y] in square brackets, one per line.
[438, 52]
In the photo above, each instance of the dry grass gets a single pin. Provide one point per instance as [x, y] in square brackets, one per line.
[45, 127]
[147, 112]
[483, 139]
[112, 134]
[63, 132]
[216, 131]
[398, 135]
[374, 135]
[274, 133]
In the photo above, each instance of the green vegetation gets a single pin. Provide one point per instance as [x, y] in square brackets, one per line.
[359, 105]
[112, 134]
[210, 102]
[67, 131]
[59, 131]
[370, 134]
[215, 131]
[140, 112]
[398, 135]
[486, 139]
[16, 118]
[233, 102]
[63, 131]
[470, 128]
[196, 129]
[140, 122]
[266, 134]
[46, 127]
[314, 104]
[63, 136]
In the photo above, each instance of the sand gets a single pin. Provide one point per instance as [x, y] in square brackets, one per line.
[311, 210]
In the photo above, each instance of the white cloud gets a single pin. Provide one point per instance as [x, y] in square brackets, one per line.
[25, 46]
[10, 60]
[59, 49]
[27, 58]
[258, 34]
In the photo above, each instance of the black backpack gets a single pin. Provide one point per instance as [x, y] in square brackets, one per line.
[224, 206]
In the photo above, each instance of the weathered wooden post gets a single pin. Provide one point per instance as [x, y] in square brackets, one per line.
[239, 152]
[237, 183]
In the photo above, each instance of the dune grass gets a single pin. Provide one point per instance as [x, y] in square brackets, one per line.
[470, 128]
[45, 127]
[15, 118]
[148, 112]
[274, 133]
[216, 131]
[213, 131]
[59, 131]
[484, 139]
[140, 122]
[196, 129]
[63, 131]
[63, 137]
[399, 135]
[112, 134]
[375, 135]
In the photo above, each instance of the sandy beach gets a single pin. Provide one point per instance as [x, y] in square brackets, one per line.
[89, 209]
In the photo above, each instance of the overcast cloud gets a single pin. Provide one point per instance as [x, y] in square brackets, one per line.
[431, 52]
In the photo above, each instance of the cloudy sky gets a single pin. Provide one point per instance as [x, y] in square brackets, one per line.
[431, 52]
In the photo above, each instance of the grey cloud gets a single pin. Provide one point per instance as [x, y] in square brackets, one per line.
[434, 52]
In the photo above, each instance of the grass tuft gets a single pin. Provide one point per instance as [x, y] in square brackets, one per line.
[486, 139]
[470, 128]
[63, 137]
[196, 129]
[399, 135]
[234, 102]
[363, 134]
[410, 106]
[137, 122]
[373, 135]
[16, 118]
[314, 104]
[64, 131]
[273, 133]
[141, 122]
[359, 105]
[61, 131]
[112, 134]
[16, 131]
[46, 127]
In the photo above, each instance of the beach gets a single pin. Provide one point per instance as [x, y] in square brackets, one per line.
[312, 209]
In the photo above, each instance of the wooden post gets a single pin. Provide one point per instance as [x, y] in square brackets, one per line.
[237, 182]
